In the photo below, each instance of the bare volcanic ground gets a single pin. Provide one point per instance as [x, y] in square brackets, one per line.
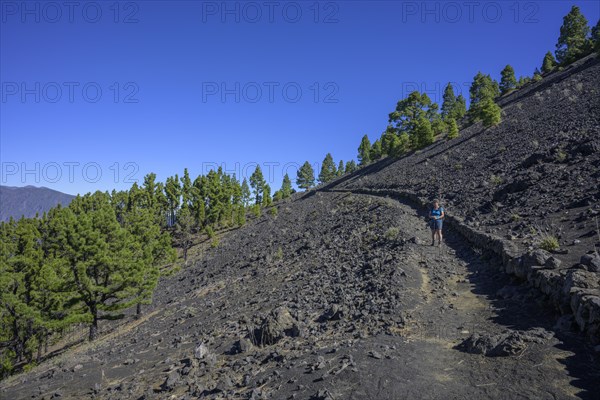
[339, 296]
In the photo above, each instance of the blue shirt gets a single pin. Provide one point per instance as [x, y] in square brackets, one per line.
[438, 212]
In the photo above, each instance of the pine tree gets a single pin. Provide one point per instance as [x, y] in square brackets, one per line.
[149, 190]
[154, 250]
[186, 189]
[135, 198]
[460, 108]
[30, 297]
[409, 110]
[484, 88]
[452, 128]
[173, 195]
[423, 132]
[162, 205]
[549, 63]
[490, 113]
[226, 196]
[404, 144]
[437, 125]
[238, 210]
[240, 215]
[340, 168]
[267, 200]
[214, 198]
[376, 150]
[183, 230]
[328, 170]
[596, 37]
[508, 81]
[523, 80]
[257, 182]
[350, 166]
[573, 41]
[395, 146]
[449, 101]
[364, 151]
[121, 203]
[236, 196]
[286, 187]
[306, 176]
[104, 260]
[198, 199]
[246, 195]
[389, 141]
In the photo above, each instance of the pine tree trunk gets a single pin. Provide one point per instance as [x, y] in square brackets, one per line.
[138, 311]
[94, 325]
[93, 330]
[18, 343]
[39, 352]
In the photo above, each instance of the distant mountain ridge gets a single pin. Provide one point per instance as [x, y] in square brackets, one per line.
[29, 200]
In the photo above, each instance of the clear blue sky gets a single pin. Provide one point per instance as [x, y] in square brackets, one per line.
[179, 80]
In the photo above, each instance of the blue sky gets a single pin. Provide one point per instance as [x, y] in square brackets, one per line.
[97, 94]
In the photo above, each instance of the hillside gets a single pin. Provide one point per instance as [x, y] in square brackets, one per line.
[539, 168]
[340, 296]
[29, 200]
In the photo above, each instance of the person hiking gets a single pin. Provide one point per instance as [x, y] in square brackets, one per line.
[436, 218]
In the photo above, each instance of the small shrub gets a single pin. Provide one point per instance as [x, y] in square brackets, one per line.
[170, 271]
[279, 254]
[6, 365]
[392, 233]
[28, 367]
[256, 210]
[515, 217]
[209, 231]
[560, 155]
[273, 211]
[496, 180]
[214, 243]
[458, 167]
[549, 243]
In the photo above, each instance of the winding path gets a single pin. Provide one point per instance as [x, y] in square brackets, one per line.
[460, 296]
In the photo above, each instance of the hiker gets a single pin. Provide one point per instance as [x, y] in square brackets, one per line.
[436, 217]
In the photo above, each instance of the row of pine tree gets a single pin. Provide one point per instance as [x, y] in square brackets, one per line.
[103, 253]
[417, 120]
